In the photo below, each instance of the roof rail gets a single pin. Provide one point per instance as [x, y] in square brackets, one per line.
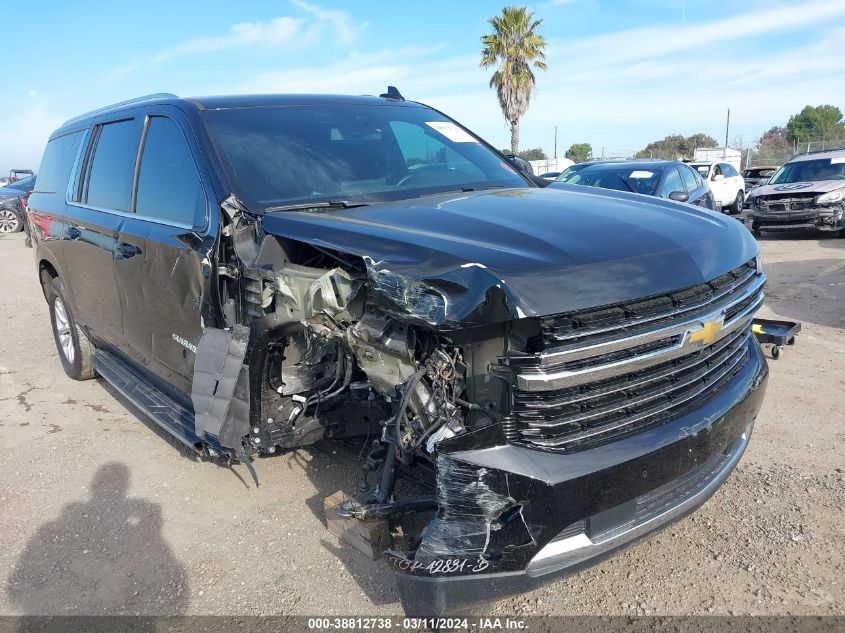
[820, 151]
[150, 97]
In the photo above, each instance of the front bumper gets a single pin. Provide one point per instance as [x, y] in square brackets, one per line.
[815, 218]
[514, 518]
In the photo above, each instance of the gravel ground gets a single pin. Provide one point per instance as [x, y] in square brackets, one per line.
[102, 513]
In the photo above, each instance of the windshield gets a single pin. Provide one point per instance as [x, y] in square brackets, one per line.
[704, 170]
[291, 155]
[811, 170]
[759, 173]
[22, 184]
[567, 173]
[618, 176]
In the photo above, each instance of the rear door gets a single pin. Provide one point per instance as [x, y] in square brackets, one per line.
[99, 199]
[167, 240]
[732, 176]
[720, 185]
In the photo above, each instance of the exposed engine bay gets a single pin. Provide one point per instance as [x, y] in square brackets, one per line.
[340, 347]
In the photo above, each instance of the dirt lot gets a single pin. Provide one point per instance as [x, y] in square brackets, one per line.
[102, 513]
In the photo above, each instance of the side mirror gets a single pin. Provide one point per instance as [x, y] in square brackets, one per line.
[679, 196]
[718, 177]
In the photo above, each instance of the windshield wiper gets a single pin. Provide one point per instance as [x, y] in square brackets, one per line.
[626, 183]
[325, 204]
[462, 190]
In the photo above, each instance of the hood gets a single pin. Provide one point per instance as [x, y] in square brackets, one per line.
[505, 254]
[817, 186]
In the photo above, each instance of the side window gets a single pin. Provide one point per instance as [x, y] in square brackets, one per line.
[113, 166]
[57, 163]
[419, 149]
[689, 178]
[699, 181]
[168, 184]
[672, 183]
[729, 171]
[717, 170]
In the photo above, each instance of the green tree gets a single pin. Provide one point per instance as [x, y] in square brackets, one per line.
[533, 154]
[816, 123]
[579, 152]
[676, 146]
[517, 47]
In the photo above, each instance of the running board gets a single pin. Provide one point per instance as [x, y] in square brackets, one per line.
[172, 416]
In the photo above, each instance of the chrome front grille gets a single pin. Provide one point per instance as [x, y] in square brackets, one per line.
[610, 372]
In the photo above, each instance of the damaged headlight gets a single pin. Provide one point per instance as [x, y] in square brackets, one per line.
[417, 298]
[831, 197]
[426, 302]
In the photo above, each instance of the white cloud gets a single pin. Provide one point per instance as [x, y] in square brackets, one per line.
[555, 3]
[276, 32]
[658, 41]
[345, 29]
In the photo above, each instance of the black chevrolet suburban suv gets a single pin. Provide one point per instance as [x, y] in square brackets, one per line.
[549, 374]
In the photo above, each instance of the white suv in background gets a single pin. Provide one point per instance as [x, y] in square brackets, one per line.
[727, 185]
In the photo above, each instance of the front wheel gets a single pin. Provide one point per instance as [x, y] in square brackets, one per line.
[736, 207]
[72, 343]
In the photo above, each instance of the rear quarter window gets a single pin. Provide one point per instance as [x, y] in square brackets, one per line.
[57, 162]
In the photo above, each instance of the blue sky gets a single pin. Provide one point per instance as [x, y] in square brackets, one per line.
[621, 73]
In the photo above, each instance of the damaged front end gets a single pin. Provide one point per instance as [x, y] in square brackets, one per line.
[776, 211]
[500, 448]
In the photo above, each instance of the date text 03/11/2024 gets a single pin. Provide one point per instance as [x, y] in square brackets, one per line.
[414, 624]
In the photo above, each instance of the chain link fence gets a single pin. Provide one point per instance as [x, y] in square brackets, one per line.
[764, 157]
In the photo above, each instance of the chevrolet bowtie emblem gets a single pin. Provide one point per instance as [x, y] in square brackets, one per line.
[708, 332]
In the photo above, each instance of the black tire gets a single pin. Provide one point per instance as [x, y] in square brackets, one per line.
[72, 343]
[736, 207]
[776, 352]
[10, 221]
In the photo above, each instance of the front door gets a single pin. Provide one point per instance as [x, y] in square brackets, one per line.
[166, 259]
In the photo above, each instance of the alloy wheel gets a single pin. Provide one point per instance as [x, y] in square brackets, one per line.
[9, 221]
[63, 326]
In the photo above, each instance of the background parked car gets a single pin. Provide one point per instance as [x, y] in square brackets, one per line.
[727, 185]
[12, 217]
[664, 179]
[13, 200]
[755, 176]
[808, 192]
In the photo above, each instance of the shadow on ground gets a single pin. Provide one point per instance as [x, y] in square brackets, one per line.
[102, 555]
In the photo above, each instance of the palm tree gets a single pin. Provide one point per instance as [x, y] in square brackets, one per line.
[517, 47]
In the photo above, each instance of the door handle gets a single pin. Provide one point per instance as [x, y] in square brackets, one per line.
[122, 250]
[72, 232]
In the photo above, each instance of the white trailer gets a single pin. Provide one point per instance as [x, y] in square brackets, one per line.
[715, 154]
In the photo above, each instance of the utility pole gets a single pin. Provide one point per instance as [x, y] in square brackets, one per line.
[555, 142]
[727, 127]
